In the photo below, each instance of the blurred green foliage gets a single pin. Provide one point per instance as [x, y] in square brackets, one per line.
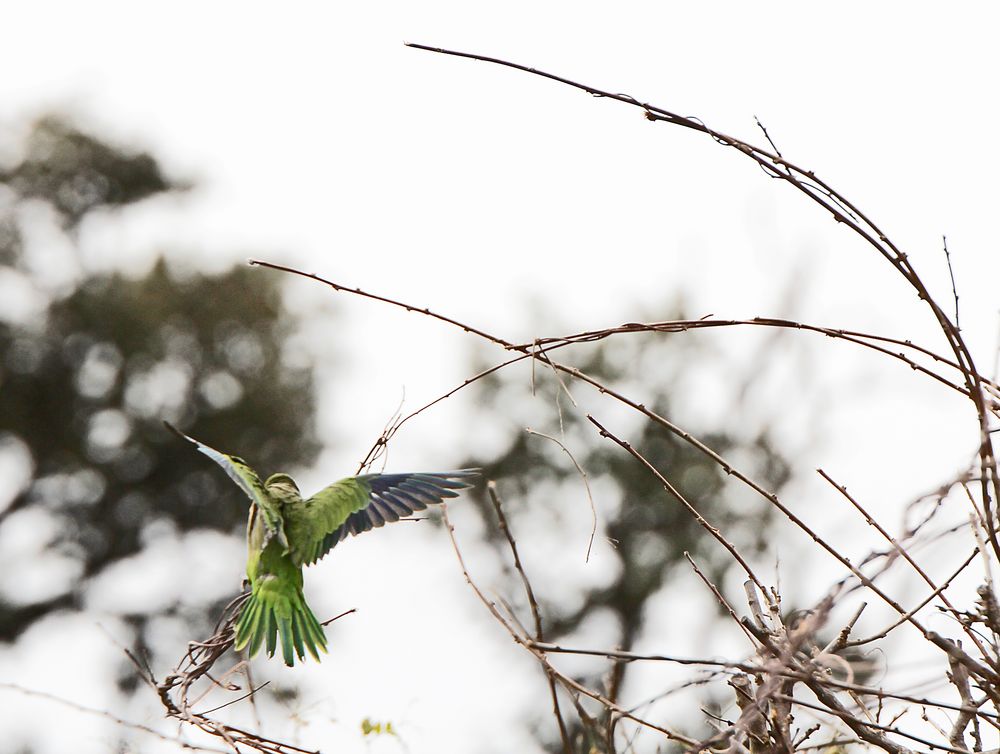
[371, 728]
[77, 173]
[85, 386]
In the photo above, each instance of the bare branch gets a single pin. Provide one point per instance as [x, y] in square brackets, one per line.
[69, 703]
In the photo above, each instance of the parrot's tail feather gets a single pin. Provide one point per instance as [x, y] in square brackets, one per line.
[271, 614]
[313, 635]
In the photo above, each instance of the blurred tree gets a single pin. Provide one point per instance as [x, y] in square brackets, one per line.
[77, 173]
[84, 386]
[648, 530]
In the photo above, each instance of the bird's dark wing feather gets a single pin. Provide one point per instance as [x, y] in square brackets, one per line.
[360, 503]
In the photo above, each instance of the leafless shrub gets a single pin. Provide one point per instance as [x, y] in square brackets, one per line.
[792, 674]
[794, 691]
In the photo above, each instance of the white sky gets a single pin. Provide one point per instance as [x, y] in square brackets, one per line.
[318, 140]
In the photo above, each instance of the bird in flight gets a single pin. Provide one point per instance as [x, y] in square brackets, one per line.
[286, 532]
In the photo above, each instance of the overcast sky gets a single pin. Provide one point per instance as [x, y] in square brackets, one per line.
[317, 139]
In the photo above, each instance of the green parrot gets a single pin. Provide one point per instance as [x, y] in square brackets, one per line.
[285, 532]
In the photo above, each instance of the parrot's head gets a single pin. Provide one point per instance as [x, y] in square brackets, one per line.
[281, 483]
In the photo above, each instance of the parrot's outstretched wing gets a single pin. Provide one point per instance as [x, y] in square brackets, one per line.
[360, 503]
[244, 476]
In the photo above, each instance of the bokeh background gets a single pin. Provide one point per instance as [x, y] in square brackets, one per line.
[146, 152]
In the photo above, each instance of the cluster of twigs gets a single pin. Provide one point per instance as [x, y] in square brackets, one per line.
[192, 681]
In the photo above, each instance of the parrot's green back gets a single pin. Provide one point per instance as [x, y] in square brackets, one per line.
[285, 532]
